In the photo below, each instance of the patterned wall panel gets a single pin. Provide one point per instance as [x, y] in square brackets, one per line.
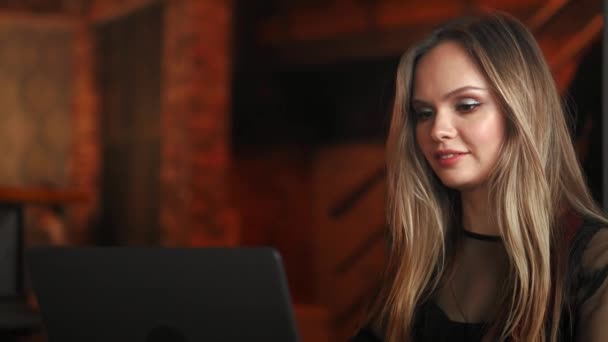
[35, 103]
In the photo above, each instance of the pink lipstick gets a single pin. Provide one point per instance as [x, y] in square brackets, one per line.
[447, 158]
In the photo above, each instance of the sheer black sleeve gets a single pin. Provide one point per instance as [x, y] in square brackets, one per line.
[592, 291]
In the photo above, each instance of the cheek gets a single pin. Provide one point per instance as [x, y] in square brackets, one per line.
[422, 138]
[417, 135]
[489, 135]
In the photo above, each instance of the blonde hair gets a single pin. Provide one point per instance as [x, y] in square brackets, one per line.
[536, 178]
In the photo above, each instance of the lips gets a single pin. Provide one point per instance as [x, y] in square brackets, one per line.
[443, 154]
[449, 155]
[448, 158]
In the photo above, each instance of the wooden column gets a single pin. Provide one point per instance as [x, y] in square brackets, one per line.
[84, 163]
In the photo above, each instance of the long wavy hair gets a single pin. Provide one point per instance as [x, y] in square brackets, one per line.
[536, 179]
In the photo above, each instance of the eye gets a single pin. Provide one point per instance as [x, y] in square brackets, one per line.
[467, 106]
[422, 114]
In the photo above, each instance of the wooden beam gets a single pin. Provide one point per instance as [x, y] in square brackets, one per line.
[353, 47]
[545, 13]
[334, 22]
[578, 42]
[101, 11]
[17, 195]
[361, 30]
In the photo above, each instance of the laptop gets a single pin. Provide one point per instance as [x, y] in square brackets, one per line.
[133, 294]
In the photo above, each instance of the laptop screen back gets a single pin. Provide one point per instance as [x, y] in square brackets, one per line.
[156, 294]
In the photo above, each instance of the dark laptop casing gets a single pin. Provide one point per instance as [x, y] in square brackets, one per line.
[158, 294]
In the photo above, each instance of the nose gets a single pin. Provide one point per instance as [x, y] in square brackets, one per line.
[443, 127]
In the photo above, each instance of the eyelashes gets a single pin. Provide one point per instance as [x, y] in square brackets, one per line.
[421, 115]
[464, 106]
[467, 106]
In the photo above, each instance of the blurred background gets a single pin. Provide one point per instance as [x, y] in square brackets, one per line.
[238, 123]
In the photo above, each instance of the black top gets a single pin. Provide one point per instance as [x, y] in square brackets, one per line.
[588, 268]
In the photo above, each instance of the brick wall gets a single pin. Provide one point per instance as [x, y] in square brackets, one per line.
[195, 208]
[272, 190]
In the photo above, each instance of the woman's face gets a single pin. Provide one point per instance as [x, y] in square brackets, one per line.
[459, 126]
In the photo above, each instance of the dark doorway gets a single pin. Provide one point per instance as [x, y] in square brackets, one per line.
[129, 52]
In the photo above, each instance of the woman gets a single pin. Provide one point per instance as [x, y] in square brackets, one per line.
[482, 174]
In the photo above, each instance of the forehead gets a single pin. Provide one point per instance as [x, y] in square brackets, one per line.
[444, 68]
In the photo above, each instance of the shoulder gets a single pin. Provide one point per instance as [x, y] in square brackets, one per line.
[589, 260]
[591, 246]
[595, 255]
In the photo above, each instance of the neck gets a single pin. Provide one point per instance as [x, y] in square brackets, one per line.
[476, 217]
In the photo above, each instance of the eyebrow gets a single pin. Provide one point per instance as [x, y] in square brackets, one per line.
[452, 92]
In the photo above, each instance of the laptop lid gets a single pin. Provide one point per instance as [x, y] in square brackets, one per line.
[157, 294]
